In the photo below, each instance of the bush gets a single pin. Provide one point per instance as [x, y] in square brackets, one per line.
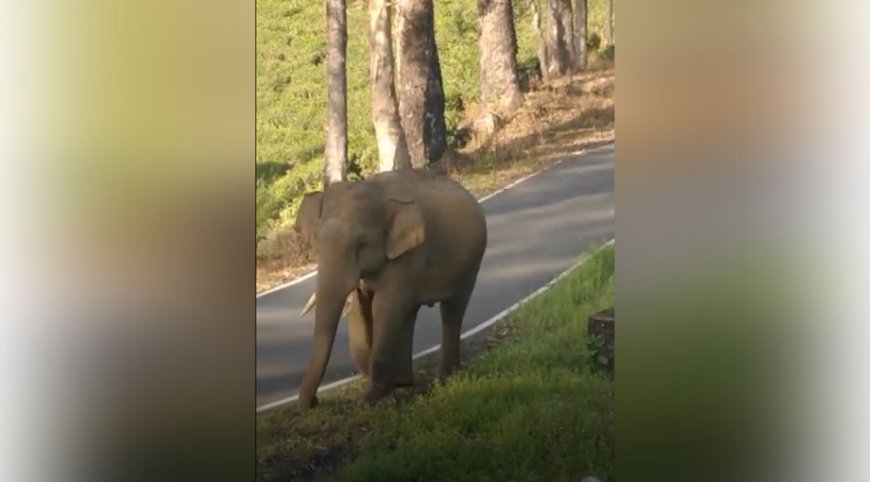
[593, 42]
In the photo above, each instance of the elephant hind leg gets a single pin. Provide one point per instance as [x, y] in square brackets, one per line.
[405, 352]
[360, 330]
[391, 363]
[452, 313]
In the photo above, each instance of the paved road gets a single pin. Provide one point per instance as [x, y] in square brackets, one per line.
[537, 229]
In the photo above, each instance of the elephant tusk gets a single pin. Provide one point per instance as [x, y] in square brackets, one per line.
[346, 305]
[311, 302]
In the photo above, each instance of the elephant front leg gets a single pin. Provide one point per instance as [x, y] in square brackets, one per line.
[390, 314]
[405, 352]
[360, 330]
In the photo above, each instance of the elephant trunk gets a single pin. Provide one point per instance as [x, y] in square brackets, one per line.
[332, 292]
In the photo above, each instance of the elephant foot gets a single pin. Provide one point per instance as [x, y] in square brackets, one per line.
[405, 381]
[308, 404]
[374, 395]
[444, 375]
[408, 383]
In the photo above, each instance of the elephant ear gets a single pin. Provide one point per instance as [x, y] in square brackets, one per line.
[406, 230]
[308, 217]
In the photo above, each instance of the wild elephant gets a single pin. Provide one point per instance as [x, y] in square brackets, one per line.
[390, 243]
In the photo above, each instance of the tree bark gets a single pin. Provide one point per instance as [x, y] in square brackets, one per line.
[335, 155]
[499, 82]
[435, 134]
[566, 16]
[392, 146]
[580, 28]
[421, 93]
[608, 24]
[539, 35]
[558, 53]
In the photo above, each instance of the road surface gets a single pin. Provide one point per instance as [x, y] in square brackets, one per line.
[537, 229]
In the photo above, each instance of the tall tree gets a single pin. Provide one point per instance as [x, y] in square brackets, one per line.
[435, 133]
[566, 16]
[392, 146]
[608, 24]
[539, 35]
[335, 165]
[499, 82]
[421, 92]
[557, 51]
[580, 28]
[561, 42]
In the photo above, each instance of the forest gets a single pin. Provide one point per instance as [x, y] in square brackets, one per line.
[418, 99]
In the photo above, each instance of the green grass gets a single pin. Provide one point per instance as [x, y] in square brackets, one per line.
[529, 409]
[291, 90]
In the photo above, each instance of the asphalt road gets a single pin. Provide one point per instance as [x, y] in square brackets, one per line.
[537, 229]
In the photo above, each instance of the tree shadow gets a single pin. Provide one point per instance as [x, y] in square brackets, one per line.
[589, 119]
[529, 70]
[499, 150]
[544, 142]
[268, 171]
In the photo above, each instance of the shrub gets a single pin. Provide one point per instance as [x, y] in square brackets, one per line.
[593, 42]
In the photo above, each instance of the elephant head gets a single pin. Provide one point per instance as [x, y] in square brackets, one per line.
[356, 229]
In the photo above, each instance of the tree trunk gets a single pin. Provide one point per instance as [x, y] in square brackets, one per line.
[539, 35]
[566, 16]
[435, 134]
[558, 53]
[608, 23]
[335, 165]
[499, 83]
[580, 27]
[421, 94]
[392, 146]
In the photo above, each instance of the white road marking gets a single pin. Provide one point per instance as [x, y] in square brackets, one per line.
[486, 324]
[288, 284]
[481, 200]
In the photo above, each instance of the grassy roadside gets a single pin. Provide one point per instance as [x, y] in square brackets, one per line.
[525, 407]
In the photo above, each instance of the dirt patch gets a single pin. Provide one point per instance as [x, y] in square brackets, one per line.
[320, 462]
[557, 120]
[287, 466]
[601, 335]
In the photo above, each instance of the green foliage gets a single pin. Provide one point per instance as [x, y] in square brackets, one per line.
[594, 41]
[291, 89]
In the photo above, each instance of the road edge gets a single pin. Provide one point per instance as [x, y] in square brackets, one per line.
[481, 200]
[477, 329]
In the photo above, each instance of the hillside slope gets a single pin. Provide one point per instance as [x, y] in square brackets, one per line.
[291, 92]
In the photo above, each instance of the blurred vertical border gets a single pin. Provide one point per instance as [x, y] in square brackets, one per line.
[127, 201]
[741, 125]
[128, 258]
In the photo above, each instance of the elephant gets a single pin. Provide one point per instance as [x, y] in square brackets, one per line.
[386, 246]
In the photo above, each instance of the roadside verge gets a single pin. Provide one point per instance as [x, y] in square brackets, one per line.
[525, 406]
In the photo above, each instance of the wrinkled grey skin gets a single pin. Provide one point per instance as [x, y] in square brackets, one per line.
[393, 242]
